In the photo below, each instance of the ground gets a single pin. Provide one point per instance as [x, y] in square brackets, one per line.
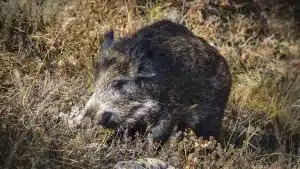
[48, 50]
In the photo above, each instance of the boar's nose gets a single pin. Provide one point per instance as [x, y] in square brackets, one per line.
[106, 117]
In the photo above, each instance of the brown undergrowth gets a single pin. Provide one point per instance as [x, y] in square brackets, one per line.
[47, 54]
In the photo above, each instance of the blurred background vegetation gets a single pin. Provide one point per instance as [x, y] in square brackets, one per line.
[48, 49]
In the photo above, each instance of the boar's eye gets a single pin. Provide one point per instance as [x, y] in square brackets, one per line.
[116, 84]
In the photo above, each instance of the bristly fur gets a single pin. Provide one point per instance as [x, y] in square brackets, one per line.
[163, 75]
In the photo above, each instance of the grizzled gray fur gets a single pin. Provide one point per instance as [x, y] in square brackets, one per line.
[163, 76]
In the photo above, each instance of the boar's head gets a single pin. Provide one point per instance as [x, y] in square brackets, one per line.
[124, 92]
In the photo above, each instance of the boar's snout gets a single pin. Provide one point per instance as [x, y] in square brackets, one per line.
[107, 120]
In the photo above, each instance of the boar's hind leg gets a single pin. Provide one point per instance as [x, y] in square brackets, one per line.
[210, 125]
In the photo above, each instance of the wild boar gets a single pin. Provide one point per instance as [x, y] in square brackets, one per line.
[162, 76]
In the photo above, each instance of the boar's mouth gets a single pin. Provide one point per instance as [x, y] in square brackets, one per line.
[107, 120]
[110, 120]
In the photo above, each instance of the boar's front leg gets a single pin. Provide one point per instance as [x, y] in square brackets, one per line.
[162, 130]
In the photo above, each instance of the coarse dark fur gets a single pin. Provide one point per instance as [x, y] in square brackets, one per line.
[163, 76]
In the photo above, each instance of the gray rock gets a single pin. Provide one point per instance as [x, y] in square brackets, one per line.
[145, 163]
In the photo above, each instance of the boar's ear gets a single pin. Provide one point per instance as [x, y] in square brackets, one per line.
[108, 39]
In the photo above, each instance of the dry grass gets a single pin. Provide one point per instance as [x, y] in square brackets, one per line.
[47, 55]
